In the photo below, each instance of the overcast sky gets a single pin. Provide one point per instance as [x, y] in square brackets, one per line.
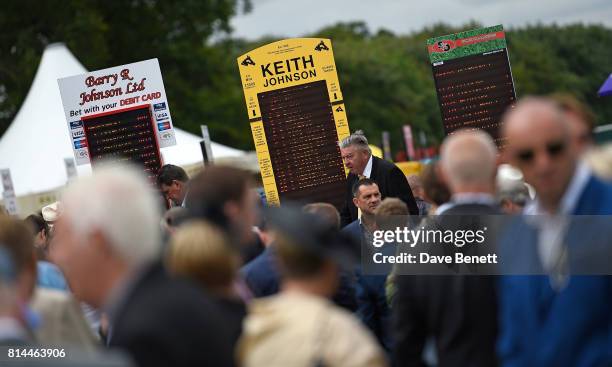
[294, 18]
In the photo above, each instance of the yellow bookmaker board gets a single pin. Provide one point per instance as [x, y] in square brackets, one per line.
[297, 116]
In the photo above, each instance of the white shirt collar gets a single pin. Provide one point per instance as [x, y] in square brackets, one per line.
[367, 171]
[570, 198]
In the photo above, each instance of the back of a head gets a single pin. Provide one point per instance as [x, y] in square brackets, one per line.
[392, 213]
[212, 188]
[16, 238]
[201, 251]
[392, 206]
[169, 173]
[326, 211]
[296, 261]
[435, 189]
[37, 223]
[468, 158]
[18, 243]
[118, 202]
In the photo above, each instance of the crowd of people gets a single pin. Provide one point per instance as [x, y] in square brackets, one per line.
[209, 276]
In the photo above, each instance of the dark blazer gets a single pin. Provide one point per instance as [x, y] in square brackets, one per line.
[459, 311]
[164, 321]
[261, 274]
[391, 182]
[372, 307]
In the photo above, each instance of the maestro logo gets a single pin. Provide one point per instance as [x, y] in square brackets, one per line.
[159, 106]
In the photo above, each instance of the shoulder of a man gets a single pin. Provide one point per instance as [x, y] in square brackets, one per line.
[596, 199]
[353, 229]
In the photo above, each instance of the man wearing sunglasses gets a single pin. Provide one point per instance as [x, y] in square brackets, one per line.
[555, 319]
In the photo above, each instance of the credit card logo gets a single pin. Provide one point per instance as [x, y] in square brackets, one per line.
[80, 133]
[161, 126]
[80, 144]
[159, 106]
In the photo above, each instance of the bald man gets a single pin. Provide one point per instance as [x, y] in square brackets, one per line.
[459, 312]
[553, 319]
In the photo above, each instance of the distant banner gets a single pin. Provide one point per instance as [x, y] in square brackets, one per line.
[297, 116]
[473, 79]
[116, 90]
[8, 193]
[409, 142]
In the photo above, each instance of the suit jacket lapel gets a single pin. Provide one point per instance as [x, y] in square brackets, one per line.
[374, 168]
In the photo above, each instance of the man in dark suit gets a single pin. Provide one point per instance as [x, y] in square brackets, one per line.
[391, 181]
[458, 311]
[107, 243]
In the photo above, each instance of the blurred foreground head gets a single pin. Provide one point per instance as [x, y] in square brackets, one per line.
[435, 190]
[17, 242]
[392, 213]
[468, 161]
[222, 196]
[109, 227]
[539, 144]
[201, 251]
[310, 252]
[326, 211]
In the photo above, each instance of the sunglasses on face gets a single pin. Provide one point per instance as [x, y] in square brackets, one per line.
[554, 149]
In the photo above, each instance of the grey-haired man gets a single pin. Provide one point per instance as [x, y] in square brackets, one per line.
[358, 158]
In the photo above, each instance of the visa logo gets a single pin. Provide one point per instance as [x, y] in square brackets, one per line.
[161, 115]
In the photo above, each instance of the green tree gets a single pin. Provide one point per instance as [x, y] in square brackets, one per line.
[108, 33]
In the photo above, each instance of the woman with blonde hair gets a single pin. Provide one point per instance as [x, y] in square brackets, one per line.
[200, 251]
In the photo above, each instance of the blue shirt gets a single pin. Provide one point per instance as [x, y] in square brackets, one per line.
[49, 276]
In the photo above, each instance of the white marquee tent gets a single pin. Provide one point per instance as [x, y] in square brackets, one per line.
[37, 142]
